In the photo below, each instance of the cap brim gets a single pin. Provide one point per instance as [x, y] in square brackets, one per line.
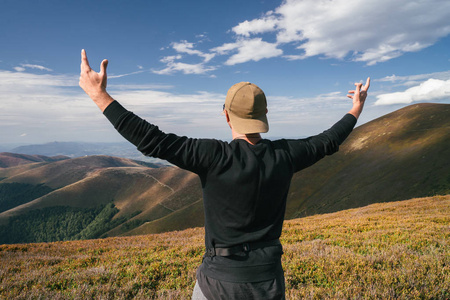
[247, 126]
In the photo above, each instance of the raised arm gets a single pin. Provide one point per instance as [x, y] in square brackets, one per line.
[93, 83]
[358, 95]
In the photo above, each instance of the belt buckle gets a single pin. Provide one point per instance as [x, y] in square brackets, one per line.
[211, 252]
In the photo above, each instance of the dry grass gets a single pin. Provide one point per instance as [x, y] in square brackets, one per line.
[384, 251]
[394, 250]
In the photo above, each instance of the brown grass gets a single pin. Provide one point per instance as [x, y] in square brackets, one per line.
[394, 250]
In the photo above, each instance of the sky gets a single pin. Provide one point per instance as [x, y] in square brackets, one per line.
[171, 62]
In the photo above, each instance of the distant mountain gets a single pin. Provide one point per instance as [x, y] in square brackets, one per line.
[78, 149]
[399, 156]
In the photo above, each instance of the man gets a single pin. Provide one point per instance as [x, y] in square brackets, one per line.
[245, 182]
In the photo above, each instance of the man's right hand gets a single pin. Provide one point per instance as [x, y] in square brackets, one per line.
[93, 83]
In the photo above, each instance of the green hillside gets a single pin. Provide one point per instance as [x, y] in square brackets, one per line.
[397, 250]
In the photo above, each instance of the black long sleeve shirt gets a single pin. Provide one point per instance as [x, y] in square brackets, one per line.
[244, 186]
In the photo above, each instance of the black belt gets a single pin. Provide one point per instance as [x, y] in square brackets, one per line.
[227, 251]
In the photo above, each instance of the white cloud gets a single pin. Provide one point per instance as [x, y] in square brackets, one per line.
[411, 80]
[248, 50]
[173, 65]
[45, 107]
[171, 58]
[385, 29]
[21, 80]
[53, 108]
[140, 86]
[127, 74]
[428, 91]
[246, 28]
[196, 115]
[369, 31]
[186, 47]
[226, 48]
[23, 67]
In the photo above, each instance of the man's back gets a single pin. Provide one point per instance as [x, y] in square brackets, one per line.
[245, 186]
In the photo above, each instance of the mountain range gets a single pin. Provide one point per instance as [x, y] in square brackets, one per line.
[399, 156]
[79, 149]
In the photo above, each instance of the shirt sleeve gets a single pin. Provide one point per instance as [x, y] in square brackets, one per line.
[195, 155]
[306, 152]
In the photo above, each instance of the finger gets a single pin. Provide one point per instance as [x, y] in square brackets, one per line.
[358, 87]
[84, 60]
[367, 85]
[103, 66]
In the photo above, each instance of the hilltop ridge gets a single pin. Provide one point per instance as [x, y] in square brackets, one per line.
[401, 155]
[8, 159]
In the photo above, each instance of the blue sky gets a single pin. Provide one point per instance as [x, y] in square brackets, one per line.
[172, 62]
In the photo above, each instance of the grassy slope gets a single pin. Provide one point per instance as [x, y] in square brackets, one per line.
[94, 180]
[174, 221]
[397, 250]
[146, 193]
[398, 156]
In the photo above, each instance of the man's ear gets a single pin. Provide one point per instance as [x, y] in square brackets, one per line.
[227, 116]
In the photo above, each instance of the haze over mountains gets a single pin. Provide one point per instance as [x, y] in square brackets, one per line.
[77, 149]
[399, 156]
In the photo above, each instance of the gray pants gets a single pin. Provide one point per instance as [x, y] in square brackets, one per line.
[197, 294]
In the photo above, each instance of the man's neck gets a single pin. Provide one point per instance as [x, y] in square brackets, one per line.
[252, 138]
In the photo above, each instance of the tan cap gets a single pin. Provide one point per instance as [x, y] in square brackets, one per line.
[247, 108]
